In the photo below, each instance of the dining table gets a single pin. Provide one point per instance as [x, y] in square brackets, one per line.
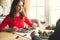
[12, 36]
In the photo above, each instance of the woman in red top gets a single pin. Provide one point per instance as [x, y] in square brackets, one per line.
[16, 17]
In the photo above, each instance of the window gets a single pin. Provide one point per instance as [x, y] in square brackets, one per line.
[36, 9]
[54, 11]
[42, 9]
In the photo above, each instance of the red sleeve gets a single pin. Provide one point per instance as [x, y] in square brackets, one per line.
[4, 23]
[28, 21]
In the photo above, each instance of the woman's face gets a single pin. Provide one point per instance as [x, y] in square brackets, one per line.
[19, 7]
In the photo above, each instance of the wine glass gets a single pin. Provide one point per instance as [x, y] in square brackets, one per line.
[42, 22]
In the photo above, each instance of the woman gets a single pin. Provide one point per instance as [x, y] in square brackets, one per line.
[16, 17]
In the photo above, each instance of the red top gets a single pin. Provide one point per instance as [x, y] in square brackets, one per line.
[18, 22]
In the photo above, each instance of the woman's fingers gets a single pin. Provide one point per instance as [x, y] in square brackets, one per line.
[34, 25]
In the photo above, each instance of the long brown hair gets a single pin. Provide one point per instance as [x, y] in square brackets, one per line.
[13, 10]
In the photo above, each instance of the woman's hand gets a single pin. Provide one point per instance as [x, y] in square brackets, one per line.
[14, 29]
[34, 25]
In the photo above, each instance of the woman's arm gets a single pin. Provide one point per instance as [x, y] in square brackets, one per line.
[28, 21]
[4, 23]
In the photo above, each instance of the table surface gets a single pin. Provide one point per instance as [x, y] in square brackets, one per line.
[10, 36]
